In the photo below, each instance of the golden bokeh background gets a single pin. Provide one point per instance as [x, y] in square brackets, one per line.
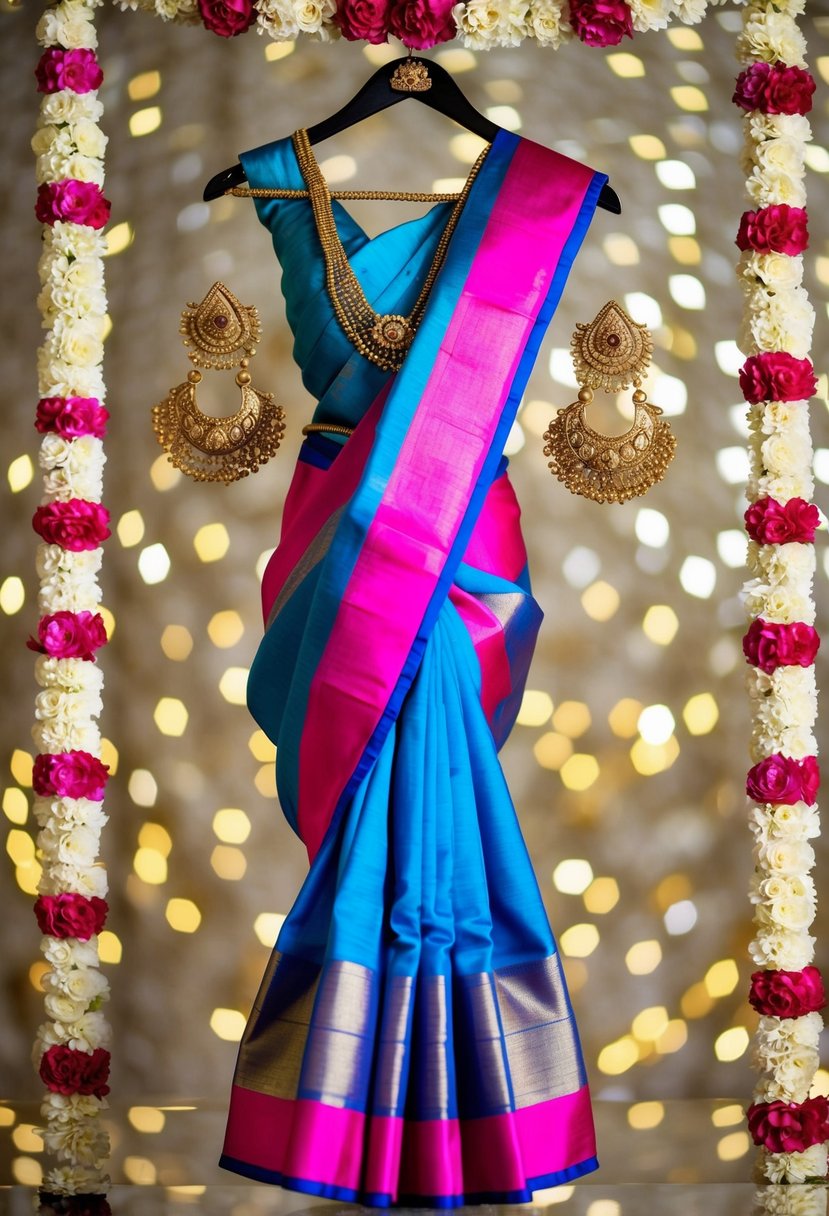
[627, 766]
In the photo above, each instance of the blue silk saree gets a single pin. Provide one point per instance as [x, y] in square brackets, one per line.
[412, 1041]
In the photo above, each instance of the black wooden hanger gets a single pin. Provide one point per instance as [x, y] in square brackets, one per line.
[376, 95]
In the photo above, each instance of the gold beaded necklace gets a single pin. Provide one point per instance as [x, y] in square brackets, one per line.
[382, 338]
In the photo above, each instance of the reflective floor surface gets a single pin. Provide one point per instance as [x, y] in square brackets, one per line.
[676, 1158]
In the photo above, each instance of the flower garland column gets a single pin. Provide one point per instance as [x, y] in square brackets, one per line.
[71, 1051]
[775, 91]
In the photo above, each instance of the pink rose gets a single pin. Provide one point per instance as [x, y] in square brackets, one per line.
[77, 70]
[75, 524]
[769, 645]
[366, 20]
[67, 1071]
[809, 779]
[73, 201]
[787, 994]
[71, 416]
[772, 523]
[71, 915]
[422, 23]
[789, 1127]
[774, 89]
[601, 22]
[227, 18]
[777, 376]
[777, 229]
[73, 774]
[783, 780]
[70, 635]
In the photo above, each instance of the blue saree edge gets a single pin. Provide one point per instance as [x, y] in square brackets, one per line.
[344, 1194]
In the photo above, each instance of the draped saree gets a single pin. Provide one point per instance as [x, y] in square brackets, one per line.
[412, 1040]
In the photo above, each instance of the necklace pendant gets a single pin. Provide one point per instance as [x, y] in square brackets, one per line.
[391, 332]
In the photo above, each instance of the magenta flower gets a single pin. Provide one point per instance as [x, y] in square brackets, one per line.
[775, 229]
[74, 774]
[71, 416]
[777, 376]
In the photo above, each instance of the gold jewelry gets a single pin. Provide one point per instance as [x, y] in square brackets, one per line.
[612, 352]
[396, 196]
[384, 339]
[411, 77]
[220, 329]
[333, 428]
[219, 449]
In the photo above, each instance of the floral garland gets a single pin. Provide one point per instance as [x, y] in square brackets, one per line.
[71, 1050]
[775, 89]
[480, 24]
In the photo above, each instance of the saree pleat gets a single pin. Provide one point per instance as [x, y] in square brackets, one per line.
[412, 1040]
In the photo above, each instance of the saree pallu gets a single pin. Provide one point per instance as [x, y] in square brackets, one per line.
[412, 1040]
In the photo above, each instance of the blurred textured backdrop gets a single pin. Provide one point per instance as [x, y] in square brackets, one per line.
[639, 839]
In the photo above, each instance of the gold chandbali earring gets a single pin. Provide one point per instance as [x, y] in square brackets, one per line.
[220, 332]
[612, 352]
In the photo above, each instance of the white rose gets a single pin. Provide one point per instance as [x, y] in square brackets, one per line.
[83, 1144]
[796, 1168]
[52, 266]
[57, 951]
[780, 416]
[780, 887]
[63, 1008]
[79, 846]
[780, 157]
[781, 950]
[477, 22]
[804, 1031]
[75, 1180]
[63, 484]
[78, 346]
[650, 14]
[783, 855]
[71, 674]
[790, 561]
[63, 952]
[515, 26]
[771, 37]
[774, 126]
[50, 559]
[86, 272]
[87, 984]
[797, 822]
[58, 735]
[89, 138]
[785, 321]
[789, 912]
[277, 19]
[795, 741]
[765, 188]
[777, 271]
[691, 12]
[60, 704]
[308, 15]
[89, 880]
[66, 26]
[76, 240]
[54, 450]
[66, 593]
[89, 1032]
[546, 23]
[779, 603]
[66, 106]
[786, 453]
[43, 139]
[65, 1108]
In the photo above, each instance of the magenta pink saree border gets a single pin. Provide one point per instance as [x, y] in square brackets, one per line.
[441, 457]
